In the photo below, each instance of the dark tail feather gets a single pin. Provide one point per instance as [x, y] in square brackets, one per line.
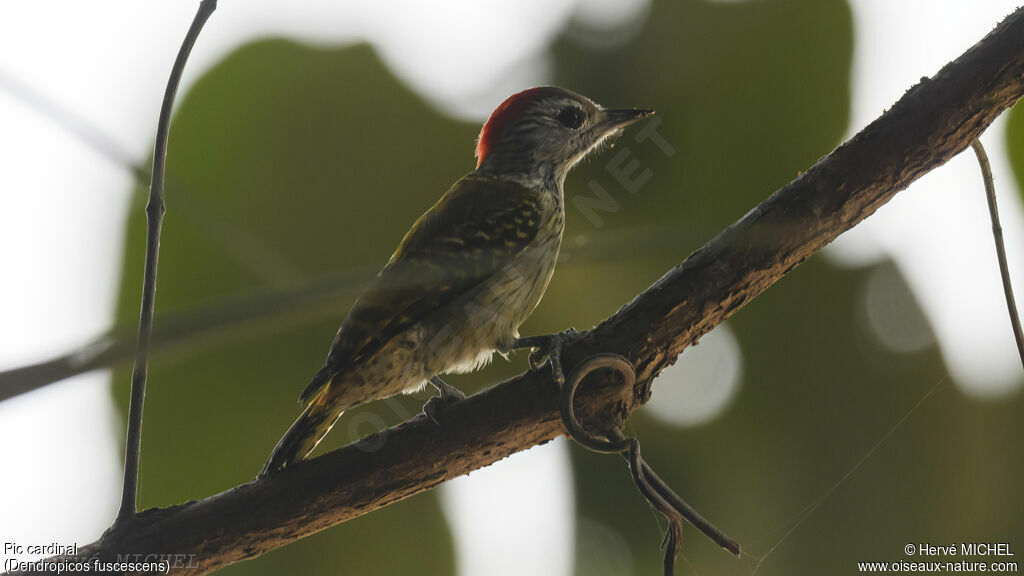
[320, 380]
[303, 436]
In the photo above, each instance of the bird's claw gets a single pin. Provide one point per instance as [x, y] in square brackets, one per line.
[433, 408]
[537, 358]
[447, 395]
[549, 348]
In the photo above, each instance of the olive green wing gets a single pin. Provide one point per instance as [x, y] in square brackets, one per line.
[479, 226]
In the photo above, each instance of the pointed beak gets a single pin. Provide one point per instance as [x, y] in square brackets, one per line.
[615, 120]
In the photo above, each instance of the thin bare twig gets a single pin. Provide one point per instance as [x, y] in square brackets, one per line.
[997, 235]
[155, 213]
[204, 328]
[100, 141]
[655, 490]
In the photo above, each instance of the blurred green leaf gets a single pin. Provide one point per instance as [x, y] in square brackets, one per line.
[1015, 143]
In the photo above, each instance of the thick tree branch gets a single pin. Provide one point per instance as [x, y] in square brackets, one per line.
[933, 122]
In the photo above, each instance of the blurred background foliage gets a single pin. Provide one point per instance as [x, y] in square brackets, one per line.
[290, 163]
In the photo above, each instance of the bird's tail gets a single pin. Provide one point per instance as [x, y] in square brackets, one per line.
[312, 425]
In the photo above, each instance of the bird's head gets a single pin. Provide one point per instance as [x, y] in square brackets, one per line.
[542, 132]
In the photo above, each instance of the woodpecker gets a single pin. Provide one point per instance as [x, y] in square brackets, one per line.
[468, 272]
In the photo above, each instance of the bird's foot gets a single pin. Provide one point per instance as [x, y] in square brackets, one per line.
[549, 347]
[447, 395]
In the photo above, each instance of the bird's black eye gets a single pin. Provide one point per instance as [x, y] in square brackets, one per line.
[570, 117]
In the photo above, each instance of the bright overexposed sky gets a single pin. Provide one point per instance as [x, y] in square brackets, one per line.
[62, 214]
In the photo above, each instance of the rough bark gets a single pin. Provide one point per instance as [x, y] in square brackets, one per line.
[934, 121]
